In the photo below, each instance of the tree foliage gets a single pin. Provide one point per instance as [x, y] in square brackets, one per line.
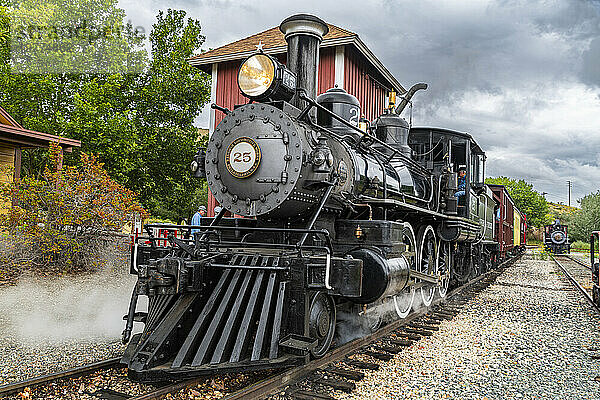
[140, 125]
[587, 219]
[527, 200]
[61, 220]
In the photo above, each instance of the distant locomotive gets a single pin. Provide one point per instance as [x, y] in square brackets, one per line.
[556, 238]
[335, 219]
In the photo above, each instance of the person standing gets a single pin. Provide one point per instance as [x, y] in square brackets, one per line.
[197, 218]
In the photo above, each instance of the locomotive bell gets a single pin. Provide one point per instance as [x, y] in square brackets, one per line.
[341, 103]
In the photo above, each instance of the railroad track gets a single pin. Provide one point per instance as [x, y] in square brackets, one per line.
[579, 274]
[17, 387]
[338, 369]
[380, 345]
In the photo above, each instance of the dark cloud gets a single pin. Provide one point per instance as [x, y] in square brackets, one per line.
[522, 76]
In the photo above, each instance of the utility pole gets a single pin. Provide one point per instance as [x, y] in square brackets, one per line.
[570, 184]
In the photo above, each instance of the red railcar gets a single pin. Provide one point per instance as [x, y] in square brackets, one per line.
[510, 224]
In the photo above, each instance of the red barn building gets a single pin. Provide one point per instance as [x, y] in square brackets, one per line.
[344, 60]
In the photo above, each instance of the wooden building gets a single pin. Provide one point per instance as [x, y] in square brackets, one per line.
[14, 138]
[344, 60]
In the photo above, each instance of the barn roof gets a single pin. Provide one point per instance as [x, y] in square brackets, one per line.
[11, 131]
[273, 42]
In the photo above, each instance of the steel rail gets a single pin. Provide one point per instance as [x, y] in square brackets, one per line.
[577, 285]
[582, 263]
[274, 383]
[16, 387]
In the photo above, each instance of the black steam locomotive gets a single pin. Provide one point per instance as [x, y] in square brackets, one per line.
[336, 219]
[556, 238]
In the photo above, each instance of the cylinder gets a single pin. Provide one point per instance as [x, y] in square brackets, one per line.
[304, 33]
[381, 277]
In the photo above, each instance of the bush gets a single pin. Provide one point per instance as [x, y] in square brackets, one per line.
[580, 246]
[64, 221]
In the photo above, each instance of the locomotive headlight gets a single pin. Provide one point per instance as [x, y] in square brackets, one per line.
[261, 77]
[256, 75]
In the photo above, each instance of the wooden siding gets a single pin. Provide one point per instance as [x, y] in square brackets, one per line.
[7, 162]
[359, 83]
[326, 69]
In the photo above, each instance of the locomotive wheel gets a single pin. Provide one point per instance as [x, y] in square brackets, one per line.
[404, 300]
[443, 267]
[427, 261]
[322, 323]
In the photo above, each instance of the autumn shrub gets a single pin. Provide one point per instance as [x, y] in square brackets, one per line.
[68, 220]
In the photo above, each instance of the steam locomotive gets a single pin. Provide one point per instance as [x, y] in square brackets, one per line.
[334, 217]
[556, 238]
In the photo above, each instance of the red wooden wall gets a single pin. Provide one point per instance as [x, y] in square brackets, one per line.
[357, 82]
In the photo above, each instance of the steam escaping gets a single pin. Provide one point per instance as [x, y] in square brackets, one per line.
[352, 326]
[57, 310]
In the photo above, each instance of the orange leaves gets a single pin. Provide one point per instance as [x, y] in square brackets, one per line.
[67, 210]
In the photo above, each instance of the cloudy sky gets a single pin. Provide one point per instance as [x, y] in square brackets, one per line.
[523, 77]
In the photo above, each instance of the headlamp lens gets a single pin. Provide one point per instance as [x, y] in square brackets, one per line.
[256, 75]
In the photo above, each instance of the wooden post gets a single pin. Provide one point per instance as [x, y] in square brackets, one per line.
[17, 172]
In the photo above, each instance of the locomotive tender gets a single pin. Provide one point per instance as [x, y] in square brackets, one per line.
[333, 220]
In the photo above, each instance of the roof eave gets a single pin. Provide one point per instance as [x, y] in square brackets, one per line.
[33, 138]
[204, 63]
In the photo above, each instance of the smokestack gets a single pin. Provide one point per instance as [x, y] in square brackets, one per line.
[304, 33]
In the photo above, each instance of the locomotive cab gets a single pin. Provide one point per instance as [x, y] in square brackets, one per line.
[445, 152]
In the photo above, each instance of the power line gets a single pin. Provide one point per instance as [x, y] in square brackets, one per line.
[570, 184]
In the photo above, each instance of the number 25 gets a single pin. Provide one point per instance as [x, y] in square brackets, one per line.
[239, 157]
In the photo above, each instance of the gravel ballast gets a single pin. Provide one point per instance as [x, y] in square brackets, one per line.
[528, 336]
[54, 324]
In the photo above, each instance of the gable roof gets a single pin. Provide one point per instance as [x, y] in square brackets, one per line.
[6, 119]
[11, 131]
[273, 42]
[272, 39]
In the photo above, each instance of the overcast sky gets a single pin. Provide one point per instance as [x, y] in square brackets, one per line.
[523, 77]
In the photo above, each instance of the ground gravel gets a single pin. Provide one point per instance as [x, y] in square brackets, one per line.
[525, 337]
[53, 324]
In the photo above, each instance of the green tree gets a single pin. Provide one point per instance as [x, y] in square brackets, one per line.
[527, 200]
[139, 124]
[587, 219]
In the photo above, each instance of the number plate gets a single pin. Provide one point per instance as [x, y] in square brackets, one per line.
[242, 157]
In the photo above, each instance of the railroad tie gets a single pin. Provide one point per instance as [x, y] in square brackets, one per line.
[388, 349]
[442, 316]
[421, 332]
[337, 384]
[347, 373]
[401, 342]
[362, 364]
[306, 395]
[378, 355]
[408, 336]
[108, 394]
[422, 326]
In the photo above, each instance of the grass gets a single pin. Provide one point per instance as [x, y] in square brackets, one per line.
[580, 246]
